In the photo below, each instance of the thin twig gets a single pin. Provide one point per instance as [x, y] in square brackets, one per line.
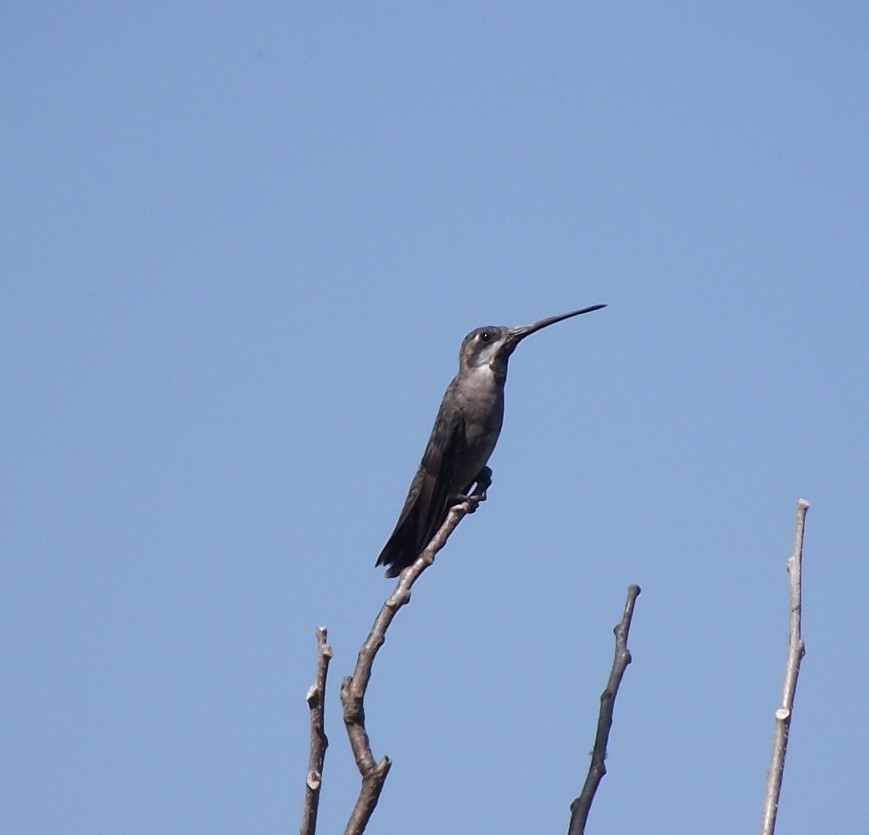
[581, 806]
[353, 687]
[796, 651]
[319, 742]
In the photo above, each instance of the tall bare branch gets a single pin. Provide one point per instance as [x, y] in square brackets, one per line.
[319, 742]
[796, 651]
[580, 807]
[354, 687]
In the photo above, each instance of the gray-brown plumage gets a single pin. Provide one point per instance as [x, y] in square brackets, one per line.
[465, 432]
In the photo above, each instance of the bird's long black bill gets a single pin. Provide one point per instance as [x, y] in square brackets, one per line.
[518, 334]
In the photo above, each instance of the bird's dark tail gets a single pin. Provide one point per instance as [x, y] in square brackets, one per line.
[408, 540]
[427, 502]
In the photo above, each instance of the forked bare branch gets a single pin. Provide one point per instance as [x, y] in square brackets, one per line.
[354, 687]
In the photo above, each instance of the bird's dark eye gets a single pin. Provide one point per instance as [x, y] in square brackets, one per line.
[485, 336]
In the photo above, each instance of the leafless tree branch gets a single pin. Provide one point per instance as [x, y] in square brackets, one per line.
[354, 687]
[581, 806]
[315, 698]
[796, 651]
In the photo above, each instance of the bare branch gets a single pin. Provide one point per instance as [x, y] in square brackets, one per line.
[796, 651]
[319, 742]
[353, 687]
[581, 806]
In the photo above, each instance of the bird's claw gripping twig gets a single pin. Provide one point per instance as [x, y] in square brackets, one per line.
[483, 482]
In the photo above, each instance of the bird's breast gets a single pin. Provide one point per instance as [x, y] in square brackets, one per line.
[481, 400]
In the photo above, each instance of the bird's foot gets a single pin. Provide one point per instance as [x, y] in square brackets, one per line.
[483, 481]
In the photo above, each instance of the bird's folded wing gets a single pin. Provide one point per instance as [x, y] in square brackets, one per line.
[428, 500]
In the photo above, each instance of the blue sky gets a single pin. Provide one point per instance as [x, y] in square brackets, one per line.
[240, 248]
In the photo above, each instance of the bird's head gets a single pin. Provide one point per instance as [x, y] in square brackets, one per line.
[492, 345]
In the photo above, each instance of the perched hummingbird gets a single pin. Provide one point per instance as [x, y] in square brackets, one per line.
[465, 432]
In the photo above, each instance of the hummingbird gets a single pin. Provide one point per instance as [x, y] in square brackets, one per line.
[465, 432]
